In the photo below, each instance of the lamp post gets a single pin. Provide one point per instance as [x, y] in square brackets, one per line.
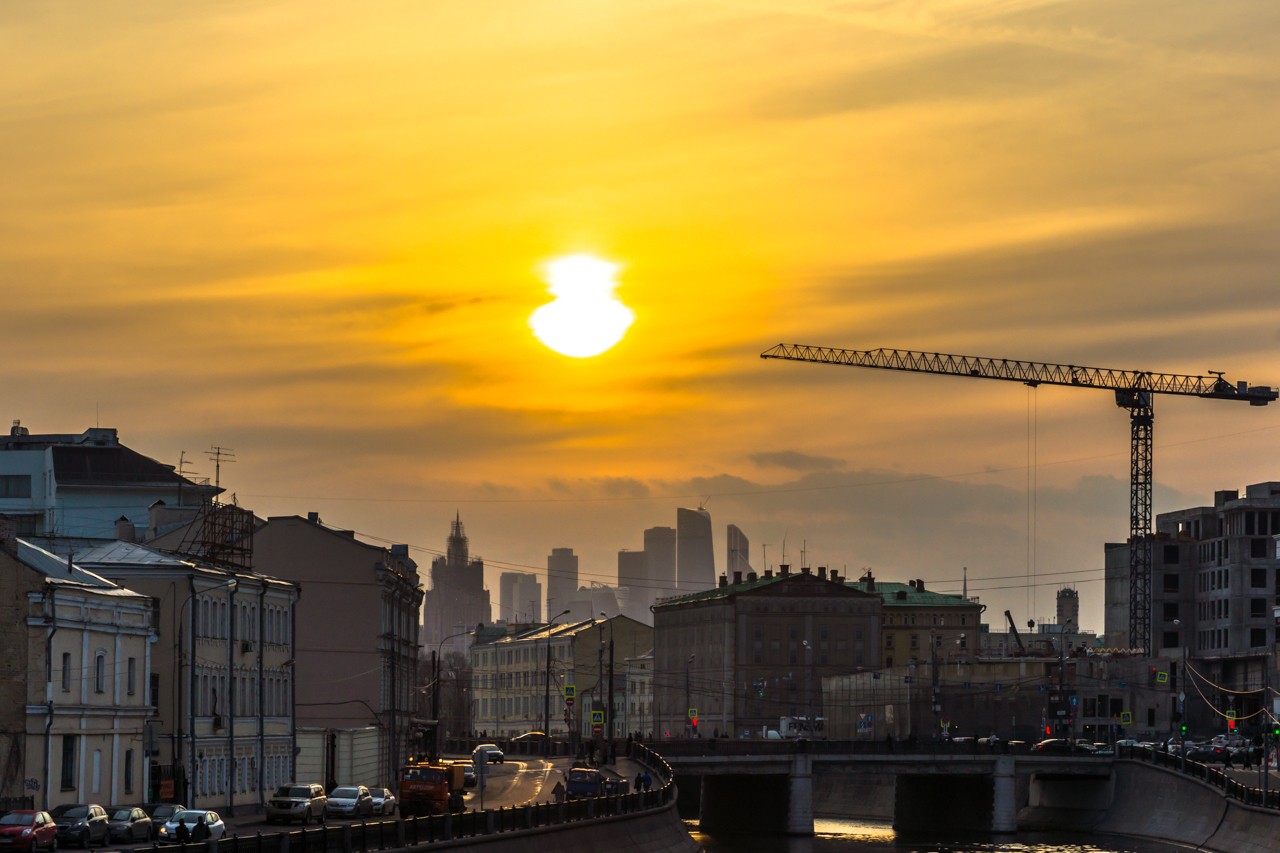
[1063, 704]
[546, 690]
[436, 654]
[228, 584]
[690, 727]
[1182, 697]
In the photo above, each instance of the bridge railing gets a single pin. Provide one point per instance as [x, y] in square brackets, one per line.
[1215, 776]
[392, 833]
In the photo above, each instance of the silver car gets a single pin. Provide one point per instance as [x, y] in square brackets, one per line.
[353, 800]
[384, 802]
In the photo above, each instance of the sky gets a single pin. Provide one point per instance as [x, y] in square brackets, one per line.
[314, 233]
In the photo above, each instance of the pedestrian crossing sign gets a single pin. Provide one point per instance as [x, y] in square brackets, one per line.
[570, 691]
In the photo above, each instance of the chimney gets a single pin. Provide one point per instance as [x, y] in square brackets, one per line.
[871, 581]
[919, 585]
[911, 583]
[313, 517]
[768, 574]
[724, 581]
[822, 572]
[737, 578]
[805, 569]
[125, 531]
[784, 569]
[752, 577]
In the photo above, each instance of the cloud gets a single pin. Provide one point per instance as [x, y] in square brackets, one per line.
[795, 460]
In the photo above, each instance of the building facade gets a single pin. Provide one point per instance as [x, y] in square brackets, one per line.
[75, 698]
[1215, 583]
[562, 580]
[695, 554]
[920, 624]
[356, 650]
[457, 600]
[221, 678]
[739, 657]
[65, 487]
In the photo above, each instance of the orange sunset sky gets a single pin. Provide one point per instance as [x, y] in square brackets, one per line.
[314, 232]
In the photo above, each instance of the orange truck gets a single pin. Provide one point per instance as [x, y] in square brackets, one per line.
[430, 788]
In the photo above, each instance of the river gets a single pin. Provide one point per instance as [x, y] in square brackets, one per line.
[849, 836]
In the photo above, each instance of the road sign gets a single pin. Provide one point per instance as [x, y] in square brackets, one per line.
[597, 718]
[570, 691]
[569, 701]
[693, 713]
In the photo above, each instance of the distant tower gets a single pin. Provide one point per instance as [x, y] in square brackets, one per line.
[660, 554]
[636, 592]
[1069, 608]
[520, 598]
[695, 561]
[457, 600]
[739, 552]
[562, 580]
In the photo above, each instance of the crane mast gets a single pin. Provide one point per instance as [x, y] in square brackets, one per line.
[1133, 391]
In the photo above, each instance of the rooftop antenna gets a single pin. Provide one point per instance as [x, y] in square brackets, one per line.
[964, 591]
[217, 454]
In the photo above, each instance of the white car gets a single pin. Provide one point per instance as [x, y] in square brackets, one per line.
[487, 753]
[192, 817]
[384, 802]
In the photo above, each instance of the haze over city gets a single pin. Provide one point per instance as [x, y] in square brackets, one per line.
[316, 233]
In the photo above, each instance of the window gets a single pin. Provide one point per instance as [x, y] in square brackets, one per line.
[69, 743]
[128, 771]
[1170, 582]
[1257, 607]
[66, 672]
[1258, 548]
[1171, 554]
[133, 676]
[100, 673]
[1257, 637]
[15, 485]
[1170, 611]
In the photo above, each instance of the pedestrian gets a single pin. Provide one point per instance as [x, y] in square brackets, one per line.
[558, 791]
[1226, 763]
[184, 831]
[639, 780]
[200, 832]
[648, 780]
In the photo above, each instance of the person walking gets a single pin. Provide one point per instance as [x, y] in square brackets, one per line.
[200, 832]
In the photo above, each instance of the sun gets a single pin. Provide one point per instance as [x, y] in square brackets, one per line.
[585, 318]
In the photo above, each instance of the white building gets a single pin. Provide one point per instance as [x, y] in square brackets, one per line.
[75, 702]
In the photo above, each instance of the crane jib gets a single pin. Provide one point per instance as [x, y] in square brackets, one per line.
[1031, 373]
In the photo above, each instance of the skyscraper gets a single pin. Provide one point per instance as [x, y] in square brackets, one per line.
[695, 560]
[636, 593]
[739, 553]
[660, 554]
[457, 600]
[519, 597]
[562, 580]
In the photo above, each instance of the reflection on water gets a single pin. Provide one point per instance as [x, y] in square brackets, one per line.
[850, 836]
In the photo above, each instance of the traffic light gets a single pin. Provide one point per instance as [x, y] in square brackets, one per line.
[1048, 731]
[1231, 725]
[1184, 729]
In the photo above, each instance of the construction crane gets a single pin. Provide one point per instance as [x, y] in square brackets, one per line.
[1133, 390]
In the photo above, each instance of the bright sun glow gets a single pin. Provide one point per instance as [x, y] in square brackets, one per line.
[585, 318]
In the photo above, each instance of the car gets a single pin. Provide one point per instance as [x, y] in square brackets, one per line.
[192, 817]
[469, 778]
[29, 829]
[128, 823]
[530, 737]
[487, 753]
[1208, 754]
[1061, 746]
[81, 823]
[300, 801]
[384, 802]
[353, 800]
[584, 782]
[159, 814]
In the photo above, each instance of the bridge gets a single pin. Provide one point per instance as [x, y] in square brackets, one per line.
[774, 786]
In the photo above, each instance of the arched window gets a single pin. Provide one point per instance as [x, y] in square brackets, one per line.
[100, 672]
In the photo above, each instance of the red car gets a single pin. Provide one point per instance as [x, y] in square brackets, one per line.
[28, 830]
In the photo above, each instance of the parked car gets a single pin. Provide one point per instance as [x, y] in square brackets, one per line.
[128, 823]
[159, 814]
[1062, 746]
[1208, 754]
[384, 802]
[191, 817]
[300, 801]
[81, 823]
[487, 753]
[469, 779]
[353, 800]
[28, 829]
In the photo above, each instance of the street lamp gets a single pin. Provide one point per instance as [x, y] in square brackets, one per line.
[1182, 696]
[546, 690]
[436, 654]
[690, 727]
[228, 584]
